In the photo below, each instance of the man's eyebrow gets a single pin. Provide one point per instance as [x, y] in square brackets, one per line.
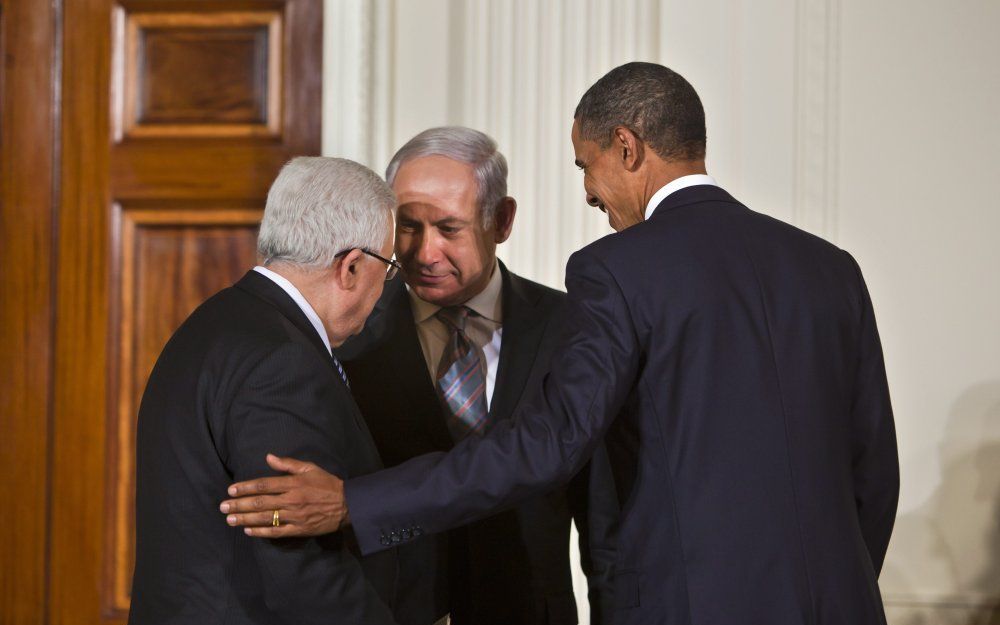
[447, 221]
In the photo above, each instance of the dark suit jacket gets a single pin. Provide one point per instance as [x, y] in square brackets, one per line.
[246, 374]
[756, 456]
[514, 566]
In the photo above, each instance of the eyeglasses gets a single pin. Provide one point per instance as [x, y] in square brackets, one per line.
[390, 272]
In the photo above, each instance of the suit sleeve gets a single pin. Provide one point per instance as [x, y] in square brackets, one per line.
[876, 460]
[592, 372]
[593, 502]
[288, 407]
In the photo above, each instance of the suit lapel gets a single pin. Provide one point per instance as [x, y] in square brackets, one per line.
[522, 335]
[406, 359]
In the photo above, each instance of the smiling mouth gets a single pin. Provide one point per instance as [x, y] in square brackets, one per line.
[424, 278]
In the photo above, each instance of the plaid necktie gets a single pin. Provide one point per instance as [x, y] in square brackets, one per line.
[461, 384]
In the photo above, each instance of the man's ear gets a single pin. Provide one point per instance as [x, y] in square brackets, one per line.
[630, 148]
[503, 219]
[346, 269]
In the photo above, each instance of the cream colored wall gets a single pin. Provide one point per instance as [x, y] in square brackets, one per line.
[871, 123]
[918, 205]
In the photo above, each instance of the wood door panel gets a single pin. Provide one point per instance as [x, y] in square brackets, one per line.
[198, 73]
[171, 260]
[196, 169]
[190, 76]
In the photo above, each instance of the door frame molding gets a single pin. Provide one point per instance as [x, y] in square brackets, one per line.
[30, 153]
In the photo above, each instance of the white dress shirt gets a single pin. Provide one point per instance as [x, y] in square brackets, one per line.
[485, 329]
[294, 293]
[676, 185]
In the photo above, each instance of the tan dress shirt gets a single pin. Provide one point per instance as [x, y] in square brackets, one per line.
[485, 329]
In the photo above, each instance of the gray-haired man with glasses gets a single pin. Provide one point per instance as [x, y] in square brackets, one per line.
[252, 371]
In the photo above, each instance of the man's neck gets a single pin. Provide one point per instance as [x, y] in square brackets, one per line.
[314, 286]
[665, 172]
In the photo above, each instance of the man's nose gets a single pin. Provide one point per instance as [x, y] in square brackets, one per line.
[593, 200]
[427, 251]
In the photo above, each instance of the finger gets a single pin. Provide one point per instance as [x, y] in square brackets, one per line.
[259, 519]
[274, 532]
[254, 503]
[262, 486]
[288, 465]
[253, 519]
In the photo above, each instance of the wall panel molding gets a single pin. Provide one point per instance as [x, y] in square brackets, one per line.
[524, 67]
[358, 84]
[817, 100]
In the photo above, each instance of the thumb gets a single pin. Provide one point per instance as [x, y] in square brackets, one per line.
[288, 465]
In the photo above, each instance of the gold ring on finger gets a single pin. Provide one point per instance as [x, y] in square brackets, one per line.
[276, 519]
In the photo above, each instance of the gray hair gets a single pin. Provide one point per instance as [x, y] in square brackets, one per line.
[464, 145]
[320, 206]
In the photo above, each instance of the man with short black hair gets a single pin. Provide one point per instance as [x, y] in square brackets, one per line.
[756, 453]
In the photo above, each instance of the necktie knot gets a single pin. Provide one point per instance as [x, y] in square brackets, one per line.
[454, 316]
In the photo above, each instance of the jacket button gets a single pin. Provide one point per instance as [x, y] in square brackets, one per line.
[407, 534]
[385, 540]
[395, 537]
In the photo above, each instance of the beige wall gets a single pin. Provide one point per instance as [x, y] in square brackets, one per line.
[871, 123]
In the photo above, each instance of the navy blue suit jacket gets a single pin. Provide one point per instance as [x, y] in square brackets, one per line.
[755, 449]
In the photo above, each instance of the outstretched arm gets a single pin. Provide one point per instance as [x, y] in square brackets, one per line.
[593, 370]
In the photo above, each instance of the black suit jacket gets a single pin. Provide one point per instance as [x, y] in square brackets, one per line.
[512, 567]
[246, 374]
[756, 455]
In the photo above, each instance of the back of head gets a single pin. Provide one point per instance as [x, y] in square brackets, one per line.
[464, 145]
[320, 206]
[652, 101]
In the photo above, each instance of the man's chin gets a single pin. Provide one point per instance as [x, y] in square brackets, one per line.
[438, 294]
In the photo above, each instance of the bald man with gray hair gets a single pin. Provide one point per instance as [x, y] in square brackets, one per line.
[251, 372]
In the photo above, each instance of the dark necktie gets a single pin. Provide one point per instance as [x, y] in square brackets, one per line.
[461, 384]
[340, 370]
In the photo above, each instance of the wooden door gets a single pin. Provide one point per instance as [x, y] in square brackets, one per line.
[169, 121]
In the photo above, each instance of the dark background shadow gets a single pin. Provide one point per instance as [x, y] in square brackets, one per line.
[955, 534]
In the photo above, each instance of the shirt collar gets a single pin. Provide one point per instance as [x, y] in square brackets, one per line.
[676, 185]
[487, 303]
[297, 297]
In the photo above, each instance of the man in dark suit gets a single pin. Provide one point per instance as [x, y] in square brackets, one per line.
[756, 453]
[453, 210]
[250, 372]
